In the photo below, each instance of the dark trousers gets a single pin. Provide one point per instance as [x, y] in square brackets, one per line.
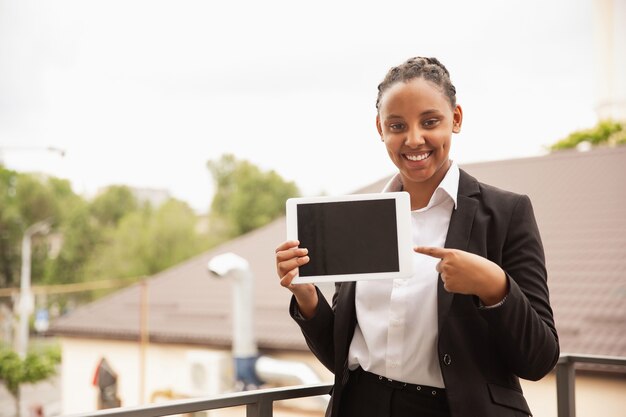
[369, 395]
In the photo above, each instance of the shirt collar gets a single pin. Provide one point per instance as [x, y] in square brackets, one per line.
[449, 186]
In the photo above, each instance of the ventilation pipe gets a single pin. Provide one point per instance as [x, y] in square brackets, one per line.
[250, 368]
[245, 352]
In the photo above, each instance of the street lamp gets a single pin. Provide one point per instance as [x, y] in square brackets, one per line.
[53, 149]
[26, 304]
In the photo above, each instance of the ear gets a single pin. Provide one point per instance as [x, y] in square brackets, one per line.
[457, 119]
[379, 127]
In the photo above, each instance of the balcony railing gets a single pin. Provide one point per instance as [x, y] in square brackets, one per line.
[566, 376]
[260, 403]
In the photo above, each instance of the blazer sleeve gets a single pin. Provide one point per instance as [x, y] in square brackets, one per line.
[524, 325]
[318, 330]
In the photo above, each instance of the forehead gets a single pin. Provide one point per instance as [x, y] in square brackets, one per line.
[413, 95]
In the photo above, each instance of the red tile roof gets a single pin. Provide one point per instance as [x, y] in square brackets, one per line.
[580, 204]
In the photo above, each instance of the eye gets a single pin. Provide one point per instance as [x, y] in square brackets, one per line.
[431, 123]
[396, 127]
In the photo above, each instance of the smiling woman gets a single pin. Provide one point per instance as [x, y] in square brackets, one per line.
[416, 122]
[453, 339]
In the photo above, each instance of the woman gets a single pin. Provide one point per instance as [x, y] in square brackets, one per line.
[454, 339]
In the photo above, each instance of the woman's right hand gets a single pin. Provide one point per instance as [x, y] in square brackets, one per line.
[289, 257]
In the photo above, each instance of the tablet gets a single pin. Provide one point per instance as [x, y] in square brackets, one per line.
[353, 237]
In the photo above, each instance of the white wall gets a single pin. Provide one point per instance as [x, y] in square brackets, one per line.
[595, 396]
[166, 370]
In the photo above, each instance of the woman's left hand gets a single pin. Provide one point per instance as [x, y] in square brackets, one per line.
[466, 273]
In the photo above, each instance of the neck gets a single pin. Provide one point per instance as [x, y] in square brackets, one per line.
[422, 192]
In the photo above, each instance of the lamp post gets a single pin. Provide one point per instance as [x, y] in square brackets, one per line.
[26, 304]
[61, 152]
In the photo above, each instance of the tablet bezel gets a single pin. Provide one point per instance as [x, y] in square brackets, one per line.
[403, 228]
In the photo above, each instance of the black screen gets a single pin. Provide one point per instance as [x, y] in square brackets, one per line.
[349, 237]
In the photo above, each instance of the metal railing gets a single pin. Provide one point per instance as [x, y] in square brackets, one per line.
[566, 377]
[260, 403]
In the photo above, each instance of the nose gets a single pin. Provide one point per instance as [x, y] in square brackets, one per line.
[414, 138]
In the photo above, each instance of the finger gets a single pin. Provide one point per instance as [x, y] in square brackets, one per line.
[287, 244]
[286, 280]
[438, 267]
[293, 263]
[291, 253]
[432, 251]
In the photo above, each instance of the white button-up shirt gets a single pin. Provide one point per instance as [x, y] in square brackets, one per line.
[396, 332]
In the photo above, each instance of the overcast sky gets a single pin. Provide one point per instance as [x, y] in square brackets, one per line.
[144, 92]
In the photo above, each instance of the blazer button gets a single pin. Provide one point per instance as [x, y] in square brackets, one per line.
[447, 359]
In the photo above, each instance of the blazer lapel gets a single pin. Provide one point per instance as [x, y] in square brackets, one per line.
[459, 233]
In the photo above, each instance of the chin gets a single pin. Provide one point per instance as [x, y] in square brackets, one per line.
[417, 177]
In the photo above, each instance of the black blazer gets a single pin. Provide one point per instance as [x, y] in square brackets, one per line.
[482, 352]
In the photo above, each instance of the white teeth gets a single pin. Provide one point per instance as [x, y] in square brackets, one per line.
[419, 157]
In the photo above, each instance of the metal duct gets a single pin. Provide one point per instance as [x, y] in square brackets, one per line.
[250, 368]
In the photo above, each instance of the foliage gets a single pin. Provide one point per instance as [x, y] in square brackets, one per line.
[116, 236]
[36, 366]
[84, 229]
[80, 236]
[147, 241]
[10, 227]
[246, 197]
[604, 132]
[111, 236]
[24, 200]
[113, 204]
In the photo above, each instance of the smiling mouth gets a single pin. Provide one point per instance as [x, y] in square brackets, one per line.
[417, 156]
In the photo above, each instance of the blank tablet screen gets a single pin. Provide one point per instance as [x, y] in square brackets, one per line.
[349, 237]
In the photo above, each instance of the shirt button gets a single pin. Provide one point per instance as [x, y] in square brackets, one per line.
[447, 359]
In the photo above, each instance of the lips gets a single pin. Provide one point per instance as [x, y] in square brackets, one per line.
[417, 156]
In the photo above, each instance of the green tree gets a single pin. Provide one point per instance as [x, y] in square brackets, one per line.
[35, 199]
[172, 231]
[605, 132]
[147, 241]
[80, 236]
[86, 230]
[246, 197]
[10, 228]
[113, 204]
[24, 200]
[36, 366]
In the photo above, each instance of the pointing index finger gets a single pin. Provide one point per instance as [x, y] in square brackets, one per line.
[432, 251]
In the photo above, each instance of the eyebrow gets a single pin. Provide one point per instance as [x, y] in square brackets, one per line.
[430, 111]
[424, 113]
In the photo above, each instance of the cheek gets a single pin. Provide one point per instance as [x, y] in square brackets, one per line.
[444, 142]
[391, 152]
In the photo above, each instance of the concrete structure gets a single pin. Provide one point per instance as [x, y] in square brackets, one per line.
[610, 58]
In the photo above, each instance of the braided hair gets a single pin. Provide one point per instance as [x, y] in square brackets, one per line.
[419, 67]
